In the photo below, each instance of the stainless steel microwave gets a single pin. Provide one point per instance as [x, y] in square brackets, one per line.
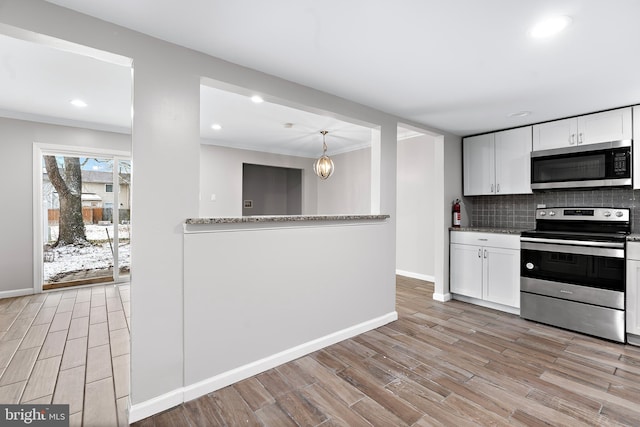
[593, 165]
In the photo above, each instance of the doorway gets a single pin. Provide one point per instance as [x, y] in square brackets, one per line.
[84, 201]
[270, 190]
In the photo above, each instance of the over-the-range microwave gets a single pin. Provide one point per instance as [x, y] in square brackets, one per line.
[605, 164]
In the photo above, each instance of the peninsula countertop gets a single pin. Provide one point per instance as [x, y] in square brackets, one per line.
[282, 218]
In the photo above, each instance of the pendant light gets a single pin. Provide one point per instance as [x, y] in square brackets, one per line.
[323, 167]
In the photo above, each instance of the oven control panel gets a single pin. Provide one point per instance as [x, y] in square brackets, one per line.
[584, 214]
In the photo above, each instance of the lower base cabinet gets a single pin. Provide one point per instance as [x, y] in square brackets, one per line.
[486, 266]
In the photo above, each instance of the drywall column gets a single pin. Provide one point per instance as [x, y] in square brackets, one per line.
[448, 170]
[166, 178]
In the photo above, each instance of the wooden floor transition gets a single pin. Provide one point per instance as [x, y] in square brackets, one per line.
[69, 347]
[452, 364]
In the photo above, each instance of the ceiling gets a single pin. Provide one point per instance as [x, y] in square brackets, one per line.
[461, 66]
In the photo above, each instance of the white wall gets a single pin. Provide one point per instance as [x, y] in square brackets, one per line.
[221, 174]
[348, 191]
[166, 149]
[298, 296]
[16, 186]
[415, 207]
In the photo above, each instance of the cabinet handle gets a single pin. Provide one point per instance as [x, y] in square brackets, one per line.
[492, 188]
[572, 140]
[498, 186]
[580, 141]
[485, 253]
[479, 253]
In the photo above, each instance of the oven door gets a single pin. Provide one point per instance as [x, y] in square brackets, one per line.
[590, 272]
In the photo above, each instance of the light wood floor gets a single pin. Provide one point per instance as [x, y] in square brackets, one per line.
[69, 347]
[451, 364]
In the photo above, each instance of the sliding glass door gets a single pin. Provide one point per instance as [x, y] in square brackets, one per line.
[86, 211]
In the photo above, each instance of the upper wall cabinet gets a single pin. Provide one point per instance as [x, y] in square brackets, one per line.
[635, 152]
[607, 126]
[498, 163]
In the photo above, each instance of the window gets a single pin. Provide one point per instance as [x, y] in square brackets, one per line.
[108, 188]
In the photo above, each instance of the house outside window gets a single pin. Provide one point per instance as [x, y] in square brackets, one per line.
[108, 188]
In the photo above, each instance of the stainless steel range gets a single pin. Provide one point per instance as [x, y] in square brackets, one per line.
[572, 272]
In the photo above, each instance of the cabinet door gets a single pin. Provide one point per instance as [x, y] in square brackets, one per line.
[636, 150]
[466, 270]
[633, 297]
[556, 134]
[502, 276]
[478, 165]
[607, 126]
[513, 161]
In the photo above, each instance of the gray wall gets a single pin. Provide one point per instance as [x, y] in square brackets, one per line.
[221, 174]
[16, 186]
[272, 190]
[415, 206]
[348, 191]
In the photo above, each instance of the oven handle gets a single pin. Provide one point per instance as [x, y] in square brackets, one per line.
[569, 249]
[619, 245]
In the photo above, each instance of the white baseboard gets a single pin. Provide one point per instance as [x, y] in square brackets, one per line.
[418, 276]
[156, 405]
[193, 391]
[16, 293]
[442, 297]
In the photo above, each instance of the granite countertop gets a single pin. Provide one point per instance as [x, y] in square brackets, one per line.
[633, 237]
[501, 230]
[282, 218]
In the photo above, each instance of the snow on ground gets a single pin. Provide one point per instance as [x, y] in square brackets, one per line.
[97, 256]
[97, 232]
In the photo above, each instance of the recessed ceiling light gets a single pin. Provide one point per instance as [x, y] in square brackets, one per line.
[550, 27]
[288, 125]
[519, 114]
[257, 99]
[78, 103]
[216, 126]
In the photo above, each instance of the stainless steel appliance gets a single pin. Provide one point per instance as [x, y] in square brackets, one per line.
[579, 166]
[572, 271]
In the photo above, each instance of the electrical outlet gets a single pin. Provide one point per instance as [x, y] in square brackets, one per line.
[213, 197]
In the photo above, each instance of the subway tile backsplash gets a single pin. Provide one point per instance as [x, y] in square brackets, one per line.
[518, 211]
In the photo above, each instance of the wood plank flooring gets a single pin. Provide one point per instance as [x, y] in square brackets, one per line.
[71, 347]
[450, 364]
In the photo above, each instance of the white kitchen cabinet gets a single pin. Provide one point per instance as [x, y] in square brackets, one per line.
[633, 293]
[486, 267]
[466, 270]
[607, 126]
[498, 163]
[636, 150]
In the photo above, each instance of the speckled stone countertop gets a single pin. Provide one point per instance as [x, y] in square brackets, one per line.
[634, 237]
[501, 230]
[281, 218]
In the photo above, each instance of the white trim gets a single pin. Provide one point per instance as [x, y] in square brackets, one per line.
[156, 405]
[193, 391]
[16, 293]
[487, 304]
[442, 297]
[418, 276]
[37, 219]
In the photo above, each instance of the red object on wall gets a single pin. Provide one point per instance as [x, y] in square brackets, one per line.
[457, 217]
